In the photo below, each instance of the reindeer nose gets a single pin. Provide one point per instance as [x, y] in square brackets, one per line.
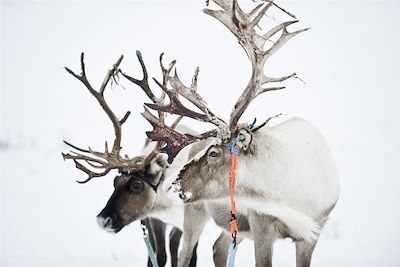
[104, 222]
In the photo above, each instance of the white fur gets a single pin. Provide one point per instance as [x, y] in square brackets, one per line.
[300, 225]
[166, 209]
[213, 141]
[155, 167]
[172, 192]
[172, 184]
[171, 214]
[293, 170]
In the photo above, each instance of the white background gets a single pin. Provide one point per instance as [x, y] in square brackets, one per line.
[349, 61]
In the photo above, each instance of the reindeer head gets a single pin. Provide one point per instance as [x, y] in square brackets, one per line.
[204, 177]
[135, 188]
[199, 179]
[134, 196]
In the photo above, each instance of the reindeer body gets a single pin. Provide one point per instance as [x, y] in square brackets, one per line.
[292, 175]
[286, 185]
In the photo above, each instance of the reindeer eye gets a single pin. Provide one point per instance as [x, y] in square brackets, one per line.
[136, 187]
[213, 154]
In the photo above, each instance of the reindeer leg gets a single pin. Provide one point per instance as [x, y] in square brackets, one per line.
[263, 247]
[220, 248]
[195, 218]
[304, 253]
[265, 235]
[174, 240]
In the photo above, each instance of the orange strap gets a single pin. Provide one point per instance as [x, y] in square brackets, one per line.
[234, 228]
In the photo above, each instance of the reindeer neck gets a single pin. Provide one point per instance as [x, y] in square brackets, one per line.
[165, 210]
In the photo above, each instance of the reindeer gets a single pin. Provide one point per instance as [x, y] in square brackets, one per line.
[286, 182]
[138, 190]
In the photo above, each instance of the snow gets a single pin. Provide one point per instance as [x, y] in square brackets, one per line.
[349, 61]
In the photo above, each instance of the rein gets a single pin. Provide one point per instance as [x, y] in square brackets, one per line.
[235, 149]
[150, 251]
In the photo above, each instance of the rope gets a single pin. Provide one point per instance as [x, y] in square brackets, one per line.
[235, 149]
[150, 251]
[234, 229]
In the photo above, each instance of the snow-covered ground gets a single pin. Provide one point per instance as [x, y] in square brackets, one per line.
[349, 60]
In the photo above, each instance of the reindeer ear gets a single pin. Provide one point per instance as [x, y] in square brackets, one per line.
[244, 139]
[157, 165]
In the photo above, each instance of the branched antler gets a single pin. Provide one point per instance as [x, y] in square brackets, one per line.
[242, 25]
[176, 107]
[107, 160]
[158, 123]
[99, 95]
[173, 140]
[144, 82]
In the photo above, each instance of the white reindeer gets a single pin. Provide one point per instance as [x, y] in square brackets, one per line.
[286, 183]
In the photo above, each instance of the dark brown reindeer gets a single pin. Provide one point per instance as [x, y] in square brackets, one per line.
[136, 195]
[286, 183]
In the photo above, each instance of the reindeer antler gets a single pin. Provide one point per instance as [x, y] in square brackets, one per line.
[169, 140]
[158, 123]
[190, 93]
[243, 25]
[107, 160]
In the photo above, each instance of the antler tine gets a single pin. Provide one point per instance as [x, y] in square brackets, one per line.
[91, 174]
[161, 115]
[166, 77]
[175, 106]
[242, 25]
[166, 71]
[105, 161]
[143, 83]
